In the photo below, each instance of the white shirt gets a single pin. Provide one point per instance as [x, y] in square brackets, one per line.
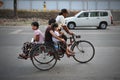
[60, 20]
[57, 34]
[41, 36]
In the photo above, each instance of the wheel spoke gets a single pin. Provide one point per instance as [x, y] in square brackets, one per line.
[84, 51]
[80, 50]
[45, 60]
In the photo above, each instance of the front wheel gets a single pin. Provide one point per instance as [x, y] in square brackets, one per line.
[84, 51]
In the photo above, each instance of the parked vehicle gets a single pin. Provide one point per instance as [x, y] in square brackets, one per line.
[98, 18]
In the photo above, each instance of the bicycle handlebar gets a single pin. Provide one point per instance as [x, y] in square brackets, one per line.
[77, 36]
[74, 36]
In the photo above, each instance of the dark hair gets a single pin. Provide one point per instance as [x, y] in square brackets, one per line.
[54, 25]
[35, 24]
[63, 11]
[51, 21]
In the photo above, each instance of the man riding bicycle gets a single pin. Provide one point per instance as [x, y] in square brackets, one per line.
[60, 19]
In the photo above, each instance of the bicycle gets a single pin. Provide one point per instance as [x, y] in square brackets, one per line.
[48, 56]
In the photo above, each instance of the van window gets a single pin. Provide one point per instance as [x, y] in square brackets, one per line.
[85, 14]
[94, 14]
[103, 14]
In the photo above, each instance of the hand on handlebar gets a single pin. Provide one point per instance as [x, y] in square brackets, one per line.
[63, 40]
[71, 33]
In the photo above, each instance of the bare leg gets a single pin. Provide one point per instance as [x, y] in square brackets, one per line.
[69, 53]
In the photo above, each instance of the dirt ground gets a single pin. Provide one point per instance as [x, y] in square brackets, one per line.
[28, 21]
[21, 21]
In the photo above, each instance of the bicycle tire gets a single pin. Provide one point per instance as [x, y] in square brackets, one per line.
[79, 55]
[41, 65]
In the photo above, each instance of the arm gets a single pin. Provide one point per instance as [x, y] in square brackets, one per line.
[62, 20]
[36, 38]
[52, 33]
[67, 30]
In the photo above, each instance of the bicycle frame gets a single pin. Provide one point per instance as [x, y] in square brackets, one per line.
[73, 41]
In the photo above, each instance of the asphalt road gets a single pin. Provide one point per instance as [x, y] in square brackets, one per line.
[104, 66]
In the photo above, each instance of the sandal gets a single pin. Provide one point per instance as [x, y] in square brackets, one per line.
[23, 56]
[68, 55]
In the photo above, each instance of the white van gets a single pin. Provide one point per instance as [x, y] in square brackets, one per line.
[98, 18]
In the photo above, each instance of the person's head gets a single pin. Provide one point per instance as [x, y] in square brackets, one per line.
[35, 25]
[51, 21]
[54, 26]
[64, 12]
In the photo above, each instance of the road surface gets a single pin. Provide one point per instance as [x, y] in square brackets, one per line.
[104, 66]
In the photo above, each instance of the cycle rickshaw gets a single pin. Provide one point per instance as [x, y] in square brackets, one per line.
[47, 56]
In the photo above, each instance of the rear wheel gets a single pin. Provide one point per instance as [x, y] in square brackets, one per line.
[84, 51]
[71, 25]
[102, 25]
[43, 60]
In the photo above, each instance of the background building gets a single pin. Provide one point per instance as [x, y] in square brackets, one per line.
[59, 4]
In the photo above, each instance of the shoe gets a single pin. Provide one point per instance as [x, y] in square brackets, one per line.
[23, 56]
[58, 58]
[69, 44]
[50, 53]
[20, 57]
[71, 52]
[36, 54]
[68, 55]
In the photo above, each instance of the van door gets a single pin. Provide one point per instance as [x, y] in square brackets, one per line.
[94, 19]
[82, 19]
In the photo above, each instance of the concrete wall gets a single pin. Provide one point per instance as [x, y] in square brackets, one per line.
[45, 15]
[59, 4]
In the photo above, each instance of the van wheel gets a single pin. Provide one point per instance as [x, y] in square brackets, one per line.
[71, 25]
[102, 25]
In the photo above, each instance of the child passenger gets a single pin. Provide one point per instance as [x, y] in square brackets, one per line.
[56, 32]
[38, 38]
